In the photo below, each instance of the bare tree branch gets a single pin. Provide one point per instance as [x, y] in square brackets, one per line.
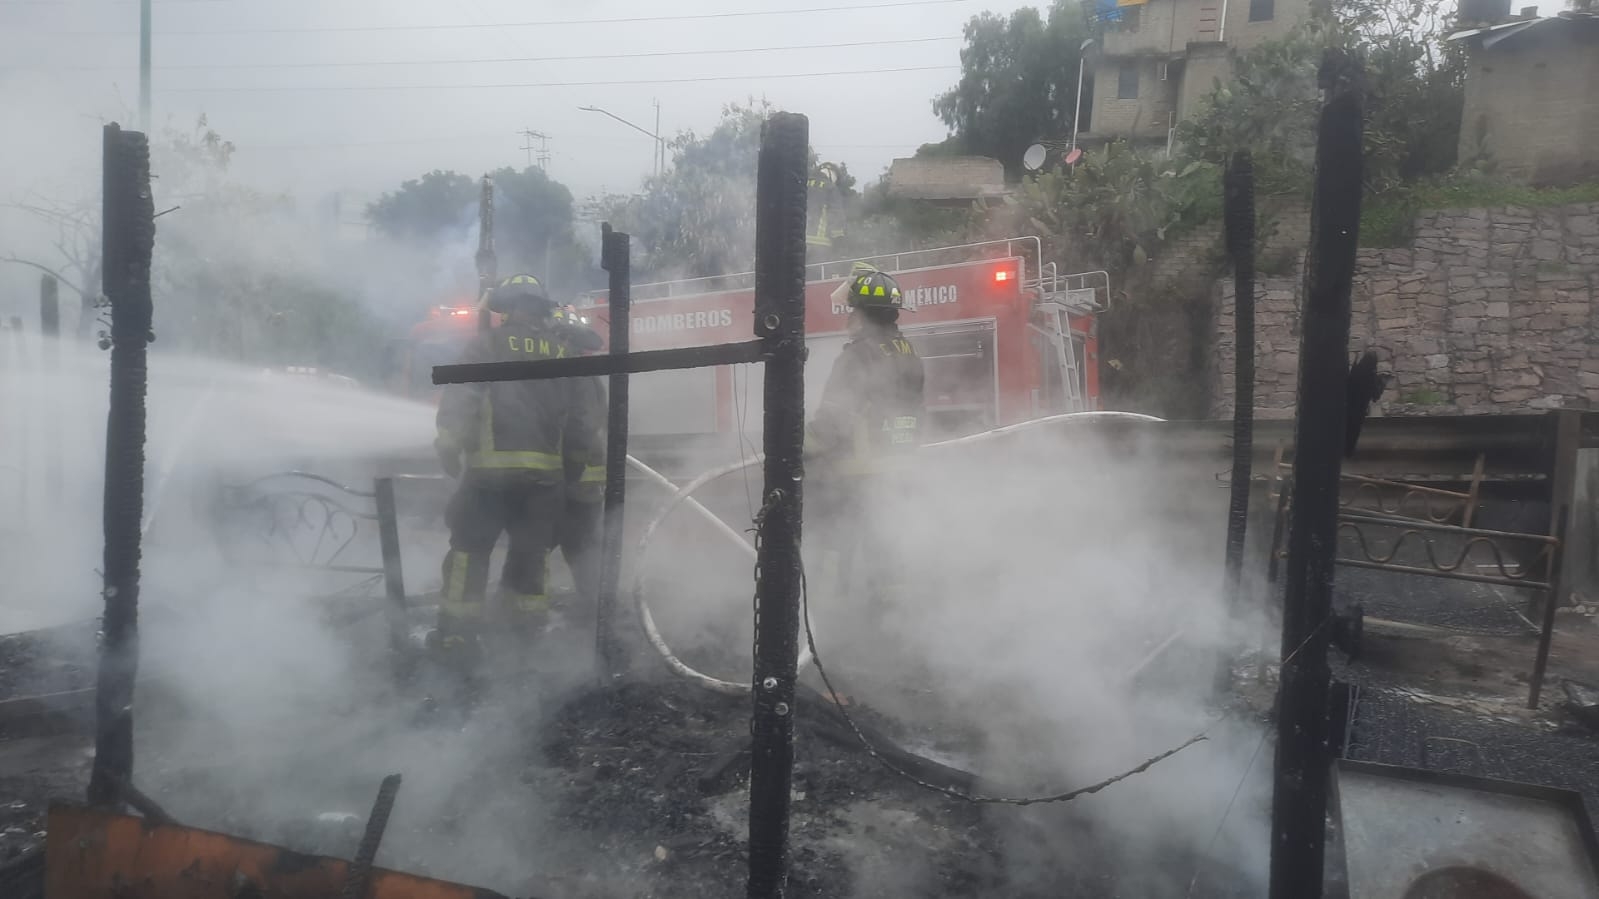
[47, 270]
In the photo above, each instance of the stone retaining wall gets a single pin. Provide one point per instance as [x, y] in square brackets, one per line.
[1491, 310]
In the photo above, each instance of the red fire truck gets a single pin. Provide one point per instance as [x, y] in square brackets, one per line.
[438, 340]
[1003, 340]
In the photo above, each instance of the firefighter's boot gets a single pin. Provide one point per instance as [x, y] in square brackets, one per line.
[457, 642]
[526, 614]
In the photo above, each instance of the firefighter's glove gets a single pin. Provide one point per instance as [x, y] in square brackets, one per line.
[449, 459]
[815, 448]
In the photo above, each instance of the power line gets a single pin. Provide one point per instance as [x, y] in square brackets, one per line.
[629, 81]
[245, 146]
[739, 14]
[504, 59]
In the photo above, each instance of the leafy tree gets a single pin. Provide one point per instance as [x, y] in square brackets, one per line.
[1269, 106]
[1413, 100]
[239, 275]
[535, 229]
[1416, 84]
[1120, 203]
[1018, 84]
[425, 207]
[534, 223]
[697, 218]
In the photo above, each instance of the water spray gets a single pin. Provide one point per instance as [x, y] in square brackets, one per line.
[685, 495]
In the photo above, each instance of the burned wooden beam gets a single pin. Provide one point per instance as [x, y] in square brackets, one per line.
[50, 364]
[780, 321]
[1239, 201]
[589, 366]
[128, 238]
[358, 879]
[1566, 441]
[1299, 798]
[393, 570]
[616, 259]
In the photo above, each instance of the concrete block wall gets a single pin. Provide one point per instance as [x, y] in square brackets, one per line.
[1530, 109]
[1490, 310]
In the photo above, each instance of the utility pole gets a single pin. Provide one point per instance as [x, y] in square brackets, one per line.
[543, 148]
[660, 145]
[144, 66]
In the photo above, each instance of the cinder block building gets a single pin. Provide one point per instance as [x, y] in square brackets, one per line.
[1158, 58]
[1532, 98]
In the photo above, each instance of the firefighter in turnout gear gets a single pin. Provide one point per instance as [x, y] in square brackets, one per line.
[872, 403]
[824, 209]
[504, 441]
[578, 534]
[869, 418]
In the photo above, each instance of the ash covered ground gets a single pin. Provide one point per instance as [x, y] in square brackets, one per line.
[641, 790]
[275, 718]
[638, 790]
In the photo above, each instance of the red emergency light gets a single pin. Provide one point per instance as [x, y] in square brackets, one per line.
[450, 311]
[1001, 276]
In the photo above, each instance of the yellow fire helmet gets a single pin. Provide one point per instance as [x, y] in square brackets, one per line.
[523, 292]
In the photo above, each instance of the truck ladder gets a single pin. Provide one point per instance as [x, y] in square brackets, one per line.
[1059, 334]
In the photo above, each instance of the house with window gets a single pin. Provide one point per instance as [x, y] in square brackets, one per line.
[1157, 59]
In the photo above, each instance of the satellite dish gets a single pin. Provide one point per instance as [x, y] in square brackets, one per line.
[1033, 159]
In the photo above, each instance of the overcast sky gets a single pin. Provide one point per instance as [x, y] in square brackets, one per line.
[276, 78]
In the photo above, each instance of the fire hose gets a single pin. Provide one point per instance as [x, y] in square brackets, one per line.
[685, 495]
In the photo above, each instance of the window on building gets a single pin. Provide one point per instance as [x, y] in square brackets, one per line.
[1130, 18]
[1262, 10]
[1127, 81]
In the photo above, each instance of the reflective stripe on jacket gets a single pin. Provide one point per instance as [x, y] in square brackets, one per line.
[872, 406]
[509, 425]
[585, 441]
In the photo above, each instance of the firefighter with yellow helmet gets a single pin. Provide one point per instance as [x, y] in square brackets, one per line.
[824, 208]
[870, 416]
[504, 442]
[872, 403]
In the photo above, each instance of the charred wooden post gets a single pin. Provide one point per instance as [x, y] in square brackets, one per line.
[1299, 800]
[16, 350]
[1239, 202]
[780, 323]
[358, 878]
[487, 263]
[128, 226]
[616, 259]
[1565, 442]
[50, 365]
[393, 570]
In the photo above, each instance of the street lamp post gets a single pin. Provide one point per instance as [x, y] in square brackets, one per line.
[660, 145]
[144, 66]
[1077, 110]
